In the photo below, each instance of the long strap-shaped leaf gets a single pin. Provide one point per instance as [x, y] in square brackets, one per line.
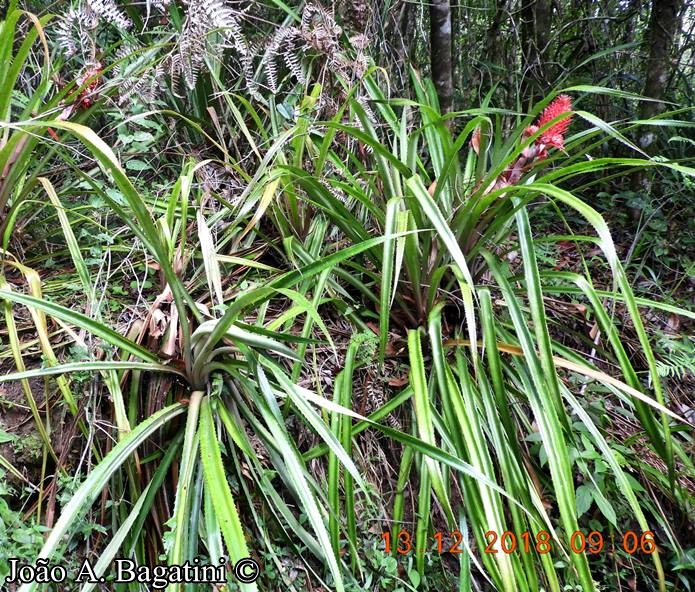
[184, 496]
[296, 474]
[99, 477]
[423, 416]
[258, 295]
[88, 367]
[218, 487]
[461, 270]
[545, 411]
[70, 316]
[112, 549]
[662, 442]
[141, 222]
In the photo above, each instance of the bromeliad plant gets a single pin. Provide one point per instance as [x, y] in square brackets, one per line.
[459, 206]
[226, 349]
[232, 385]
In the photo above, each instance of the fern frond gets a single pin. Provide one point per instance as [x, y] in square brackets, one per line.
[283, 37]
[319, 29]
[128, 89]
[73, 32]
[677, 366]
[123, 52]
[109, 11]
[173, 63]
[294, 64]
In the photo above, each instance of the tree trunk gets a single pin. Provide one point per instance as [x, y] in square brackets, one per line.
[494, 43]
[440, 53]
[662, 27]
[536, 20]
[660, 31]
[495, 52]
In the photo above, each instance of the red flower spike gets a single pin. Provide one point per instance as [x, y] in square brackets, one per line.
[555, 134]
[553, 137]
[84, 99]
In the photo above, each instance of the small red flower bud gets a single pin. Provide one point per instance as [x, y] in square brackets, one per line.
[530, 130]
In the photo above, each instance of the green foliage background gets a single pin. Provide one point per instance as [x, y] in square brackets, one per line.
[262, 298]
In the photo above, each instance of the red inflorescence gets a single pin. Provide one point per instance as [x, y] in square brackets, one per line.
[555, 134]
[85, 98]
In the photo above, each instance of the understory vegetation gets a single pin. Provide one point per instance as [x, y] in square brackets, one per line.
[379, 304]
